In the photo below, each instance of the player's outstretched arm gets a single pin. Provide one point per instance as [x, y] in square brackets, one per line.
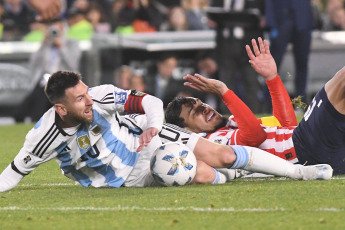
[264, 64]
[261, 60]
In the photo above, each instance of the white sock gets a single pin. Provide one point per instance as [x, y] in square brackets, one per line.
[220, 177]
[257, 160]
[232, 174]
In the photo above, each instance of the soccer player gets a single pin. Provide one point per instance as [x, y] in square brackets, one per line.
[95, 146]
[319, 138]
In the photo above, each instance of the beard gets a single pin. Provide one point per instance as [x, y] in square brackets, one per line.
[221, 124]
[77, 119]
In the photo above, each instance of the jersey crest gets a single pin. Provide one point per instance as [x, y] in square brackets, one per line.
[84, 142]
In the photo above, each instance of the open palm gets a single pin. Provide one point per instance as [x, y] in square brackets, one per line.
[262, 60]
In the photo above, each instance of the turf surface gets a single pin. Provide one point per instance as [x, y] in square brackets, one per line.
[47, 200]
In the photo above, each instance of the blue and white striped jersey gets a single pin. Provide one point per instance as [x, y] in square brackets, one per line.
[99, 154]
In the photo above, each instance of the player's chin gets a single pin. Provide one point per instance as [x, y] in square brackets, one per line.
[88, 116]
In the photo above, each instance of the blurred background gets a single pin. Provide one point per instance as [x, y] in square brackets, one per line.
[149, 45]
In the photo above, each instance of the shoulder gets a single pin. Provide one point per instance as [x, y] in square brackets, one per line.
[106, 93]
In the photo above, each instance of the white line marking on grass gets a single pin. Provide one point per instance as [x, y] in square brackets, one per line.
[135, 208]
[50, 185]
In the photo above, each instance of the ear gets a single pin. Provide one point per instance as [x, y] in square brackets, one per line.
[61, 109]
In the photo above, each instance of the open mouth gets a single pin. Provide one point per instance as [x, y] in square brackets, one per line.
[210, 115]
[88, 112]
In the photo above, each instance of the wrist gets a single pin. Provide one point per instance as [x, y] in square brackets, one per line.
[222, 92]
[273, 76]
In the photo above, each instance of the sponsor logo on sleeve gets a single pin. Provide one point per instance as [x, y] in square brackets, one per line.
[27, 159]
[120, 97]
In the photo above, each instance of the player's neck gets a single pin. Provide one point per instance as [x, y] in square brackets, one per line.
[66, 122]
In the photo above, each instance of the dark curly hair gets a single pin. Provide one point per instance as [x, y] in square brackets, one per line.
[58, 83]
[174, 108]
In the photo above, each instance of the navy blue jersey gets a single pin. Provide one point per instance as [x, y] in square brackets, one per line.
[320, 136]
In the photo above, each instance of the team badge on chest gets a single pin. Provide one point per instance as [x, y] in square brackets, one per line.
[84, 142]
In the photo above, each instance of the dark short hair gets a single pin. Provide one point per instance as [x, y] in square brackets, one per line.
[58, 83]
[174, 108]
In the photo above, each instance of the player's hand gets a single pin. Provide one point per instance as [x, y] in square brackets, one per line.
[47, 9]
[261, 60]
[205, 85]
[146, 137]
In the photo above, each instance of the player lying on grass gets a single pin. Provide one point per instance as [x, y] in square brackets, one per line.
[319, 138]
[94, 146]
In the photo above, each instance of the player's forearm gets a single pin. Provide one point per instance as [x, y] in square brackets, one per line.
[281, 102]
[153, 108]
[9, 178]
[250, 131]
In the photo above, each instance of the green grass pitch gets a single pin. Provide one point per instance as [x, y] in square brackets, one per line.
[47, 200]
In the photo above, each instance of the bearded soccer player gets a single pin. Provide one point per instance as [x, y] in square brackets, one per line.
[319, 138]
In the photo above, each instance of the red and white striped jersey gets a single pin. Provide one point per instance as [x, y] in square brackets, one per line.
[278, 140]
[243, 128]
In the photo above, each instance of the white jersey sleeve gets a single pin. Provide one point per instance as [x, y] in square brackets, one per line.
[41, 144]
[110, 97]
[154, 114]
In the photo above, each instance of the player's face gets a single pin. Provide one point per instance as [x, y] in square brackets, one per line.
[79, 104]
[201, 117]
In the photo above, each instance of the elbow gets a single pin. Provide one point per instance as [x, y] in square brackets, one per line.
[255, 140]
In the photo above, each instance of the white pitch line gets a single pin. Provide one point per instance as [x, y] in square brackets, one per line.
[135, 208]
[50, 185]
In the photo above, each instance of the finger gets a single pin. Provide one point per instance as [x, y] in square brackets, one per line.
[187, 76]
[200, 77]
[267, 47]
[261, 44]
[255, 48]
[193, 79]
[141, 139]
[139, 148]
[249, 52]
[191, 85]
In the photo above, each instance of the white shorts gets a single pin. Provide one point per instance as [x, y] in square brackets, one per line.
[141, 174]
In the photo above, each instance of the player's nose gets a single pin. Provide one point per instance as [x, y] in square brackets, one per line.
[89, 100]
